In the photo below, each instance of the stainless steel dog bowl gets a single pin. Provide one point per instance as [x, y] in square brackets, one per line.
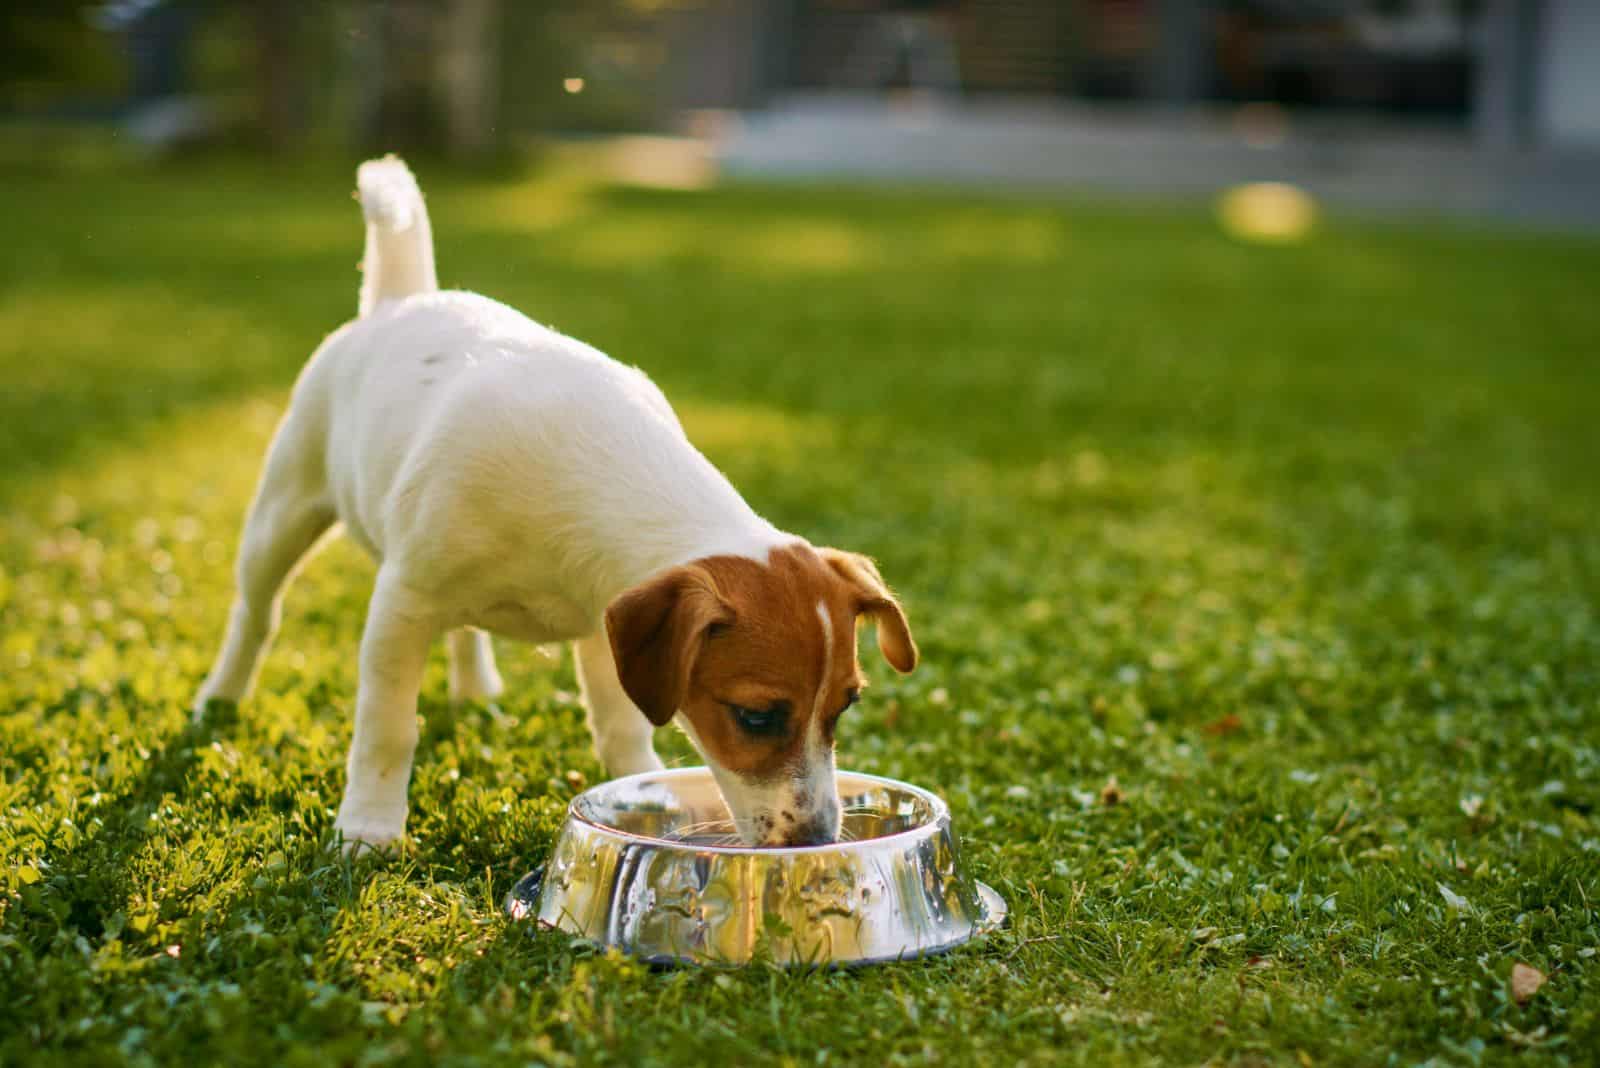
[648, 863]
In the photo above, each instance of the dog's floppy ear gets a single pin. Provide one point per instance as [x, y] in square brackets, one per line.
[656, 631]
[874, 600]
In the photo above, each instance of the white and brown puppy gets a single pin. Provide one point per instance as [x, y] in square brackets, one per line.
[510, 479]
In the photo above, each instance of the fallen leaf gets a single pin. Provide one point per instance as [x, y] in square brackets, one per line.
[1223, 725]
[1111, 793]
[1525, 982]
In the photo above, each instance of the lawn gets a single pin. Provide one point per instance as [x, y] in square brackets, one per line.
[1257, 592]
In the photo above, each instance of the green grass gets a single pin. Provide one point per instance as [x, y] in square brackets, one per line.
[1297, 544]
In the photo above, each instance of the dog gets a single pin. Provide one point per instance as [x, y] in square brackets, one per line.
[510, 480]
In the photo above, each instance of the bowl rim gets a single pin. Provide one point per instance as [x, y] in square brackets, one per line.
[939, 817]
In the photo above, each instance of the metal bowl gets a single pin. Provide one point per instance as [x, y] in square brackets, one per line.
[646, 863]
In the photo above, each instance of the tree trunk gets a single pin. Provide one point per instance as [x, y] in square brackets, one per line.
[277, 71]
[469, 71]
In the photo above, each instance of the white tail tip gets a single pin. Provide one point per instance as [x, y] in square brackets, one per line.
[389, 193]
[398, 260]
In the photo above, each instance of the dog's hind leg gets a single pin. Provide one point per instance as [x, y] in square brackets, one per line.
[623, 737]
[394, 648]
[290, 513]
[473, 676]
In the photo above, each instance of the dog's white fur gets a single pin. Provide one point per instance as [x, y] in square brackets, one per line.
[506, 478]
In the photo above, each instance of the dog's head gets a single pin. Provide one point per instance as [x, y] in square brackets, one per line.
[760, 660]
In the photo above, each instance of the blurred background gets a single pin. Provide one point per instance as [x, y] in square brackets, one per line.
[1474, 108]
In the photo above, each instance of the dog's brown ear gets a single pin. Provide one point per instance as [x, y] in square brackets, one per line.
[874, 600]
[656, 631]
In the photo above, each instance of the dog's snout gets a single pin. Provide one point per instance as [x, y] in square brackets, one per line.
[813, 832]
[817, 828]
[788, 817]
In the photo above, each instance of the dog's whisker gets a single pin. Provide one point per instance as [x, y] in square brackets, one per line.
[721, 828]
[703, 825]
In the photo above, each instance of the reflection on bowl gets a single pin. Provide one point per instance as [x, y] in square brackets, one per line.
[650, 864]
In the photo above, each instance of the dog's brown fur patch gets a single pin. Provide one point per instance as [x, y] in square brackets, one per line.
[729, 631]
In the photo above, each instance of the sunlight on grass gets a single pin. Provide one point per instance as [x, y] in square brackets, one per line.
[146, 322]
[808, 245]
[278, 235]
[972, 236]
[621, 243]
[773, 435]
[556, 199]
[779, 246]
[146, 540]
[804, 245]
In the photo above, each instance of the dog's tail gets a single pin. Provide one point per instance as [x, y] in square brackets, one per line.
[399, 256]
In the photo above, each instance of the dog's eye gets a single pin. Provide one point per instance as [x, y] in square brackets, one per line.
[762, 722]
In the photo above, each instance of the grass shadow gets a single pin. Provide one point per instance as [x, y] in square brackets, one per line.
[90, 882]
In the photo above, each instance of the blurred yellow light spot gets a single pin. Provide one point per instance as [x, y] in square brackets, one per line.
[1267, 212]
[572, 85]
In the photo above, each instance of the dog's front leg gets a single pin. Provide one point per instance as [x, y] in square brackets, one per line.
[394, 648]
[623, 737]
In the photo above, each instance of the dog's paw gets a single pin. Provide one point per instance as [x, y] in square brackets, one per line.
[356, 848]
[357, 839]
[363, 828]
[208, 694]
